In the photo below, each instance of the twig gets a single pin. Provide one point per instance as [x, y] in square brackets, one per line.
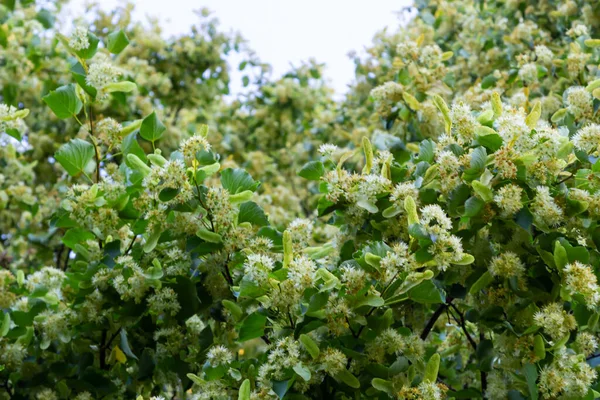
[462, 324]
[7, 388]
[564, 180]
[433, 320]
[482, 373]
[266, 339]
[130, 245]
[104, 345]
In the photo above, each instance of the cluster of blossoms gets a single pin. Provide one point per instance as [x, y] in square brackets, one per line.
[445, 244]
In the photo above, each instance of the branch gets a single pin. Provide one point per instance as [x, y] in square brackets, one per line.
[433, 320]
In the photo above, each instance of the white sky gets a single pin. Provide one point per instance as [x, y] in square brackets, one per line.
[284, 31]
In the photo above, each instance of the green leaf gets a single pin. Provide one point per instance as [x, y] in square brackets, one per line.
[209, 236]
[125, 345]
[237, 180]
[14, 133]
[64, 101]
[123, 86]
[346, 377]
[431, 369]
[483, 191]
[281, 387]
[473, 206]
[76, 156]
[427, 293]
[152, 129]
[312, 170]
[46, 18]
[187, 296]
[76, 235]
[250, 289]
[244, 392]
[370, 300]
[5, 325]
[168, 194]
[301, 370]
[426, 151]
[531, 375]
[488, 81]
[251, 212]
[197, 380]
[443, 107]
[478, 160]
[382, 385]
[79, 75]
[491, 141]
[117, 41]
[481, 283]
[236, 311]
[130, 145]
[252, 327]
[151, 241]
[560, 256]
[88, 53]
[310, 345]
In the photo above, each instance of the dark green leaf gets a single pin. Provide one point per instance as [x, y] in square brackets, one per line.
[491, 142]
[251, 212]
[531, 375]
[252, 327]
[427, 293]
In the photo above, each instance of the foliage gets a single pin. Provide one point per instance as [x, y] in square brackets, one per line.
[432, 235]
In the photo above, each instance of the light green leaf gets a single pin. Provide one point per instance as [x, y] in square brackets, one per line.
[151, 242]
[370, 300]
[5, 325]
[301, 370]
[196, 379]
[483, 191]
[383, 386]
[431, 369]
[244, 392]
[346, 377]
[124, 86]
[310, 345]
[209, 236]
